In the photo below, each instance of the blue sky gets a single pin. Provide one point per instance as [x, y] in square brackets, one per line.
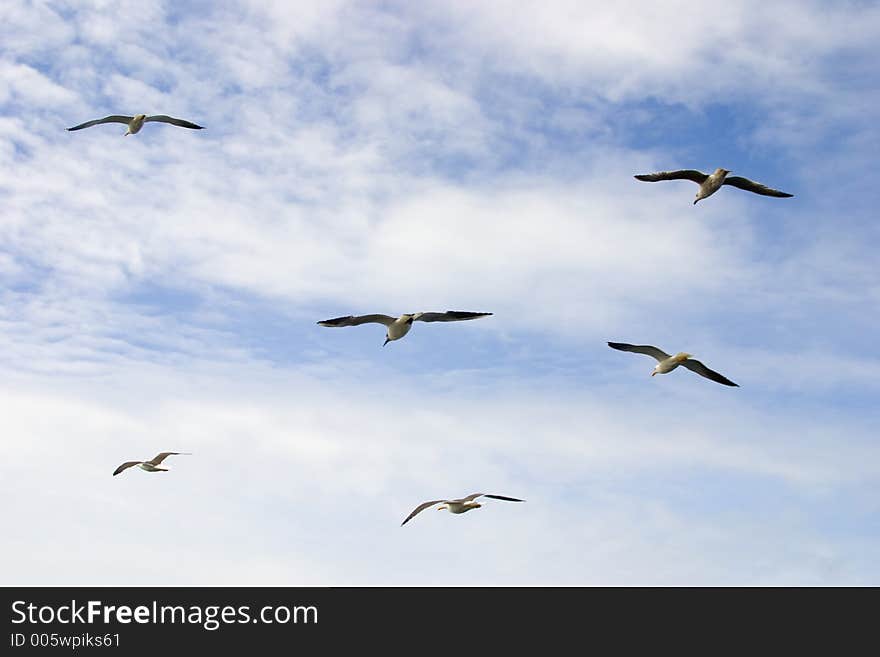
[161, 292]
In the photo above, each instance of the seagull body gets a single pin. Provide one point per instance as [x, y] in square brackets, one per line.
[711, 183]
[457, 506]
[400, 326]
[667, 363]
[149, 466]
[135, 123]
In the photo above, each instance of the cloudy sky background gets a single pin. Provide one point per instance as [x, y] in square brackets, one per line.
[160, 292]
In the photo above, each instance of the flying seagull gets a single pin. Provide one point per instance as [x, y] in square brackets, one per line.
[400, 326]
[150, 466]
[709, 184]
[457, 506]
[135, 123]
[667, 363]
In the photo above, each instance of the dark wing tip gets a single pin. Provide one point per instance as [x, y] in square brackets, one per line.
[720, 378]
[460, 314]
[645, 177]
[618, 345]
[504, 497]
[336, 321]
[710, 374]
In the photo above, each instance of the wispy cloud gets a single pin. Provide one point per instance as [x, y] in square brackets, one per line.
[161, 291]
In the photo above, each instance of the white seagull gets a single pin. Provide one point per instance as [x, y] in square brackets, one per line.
[457, 506]
[709, 184]
[667, 363]
[136, 122]
[150, 466]
[400, 326]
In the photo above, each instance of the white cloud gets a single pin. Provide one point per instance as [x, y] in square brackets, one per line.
[637, 51]
[273, 454]
[23, 84]
[428, 157]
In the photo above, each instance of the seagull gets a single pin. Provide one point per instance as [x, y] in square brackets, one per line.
[667, 363]
[150, 466]
[457, 506]
[400, 326]
[709, 184]
[135, 123]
